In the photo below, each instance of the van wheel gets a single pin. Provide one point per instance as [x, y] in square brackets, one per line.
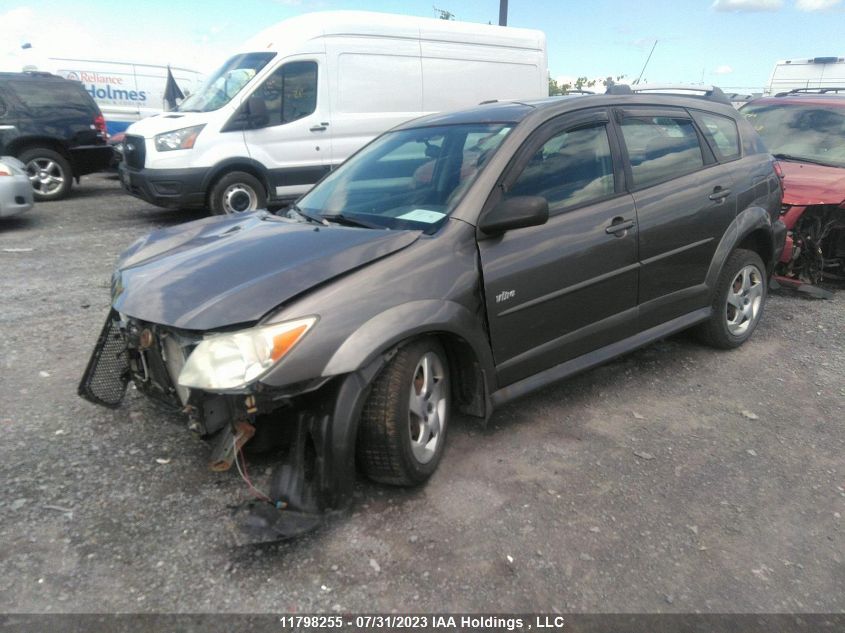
[237, 192]
[403, 424]
[740, 295]
[49, 172]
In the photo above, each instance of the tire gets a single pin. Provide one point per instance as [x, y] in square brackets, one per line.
[237, 192]
[738, 301]
[49, 172]
[398, 443]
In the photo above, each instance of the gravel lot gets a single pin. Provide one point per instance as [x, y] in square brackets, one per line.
[675, 479]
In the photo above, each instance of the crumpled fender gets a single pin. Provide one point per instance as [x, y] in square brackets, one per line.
[405, 321]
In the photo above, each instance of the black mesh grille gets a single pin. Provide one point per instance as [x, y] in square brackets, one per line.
[134, 151]
[105, 378]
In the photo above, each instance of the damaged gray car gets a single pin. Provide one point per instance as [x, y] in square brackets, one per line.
[453, 264]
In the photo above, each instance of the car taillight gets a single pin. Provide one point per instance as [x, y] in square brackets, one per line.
[4, 170]
[100, 125]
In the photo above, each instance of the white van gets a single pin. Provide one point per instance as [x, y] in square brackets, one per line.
[306, 93]
[802, 74]
[125, 91]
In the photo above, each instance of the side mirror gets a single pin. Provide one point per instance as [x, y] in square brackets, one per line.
[515, 213]
[256, 111]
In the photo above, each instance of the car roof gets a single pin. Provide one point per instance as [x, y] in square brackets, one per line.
[807, 98]
[517, 111]
[30, 76]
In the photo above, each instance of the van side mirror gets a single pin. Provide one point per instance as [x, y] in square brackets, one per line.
[515, 213]
[256, 111]
[251, 115]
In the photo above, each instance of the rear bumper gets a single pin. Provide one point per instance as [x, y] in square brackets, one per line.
[15, 195]
[168, 188]
[88, 159]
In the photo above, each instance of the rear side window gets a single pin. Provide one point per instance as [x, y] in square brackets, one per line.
[52, 94]
[570, 169]
[661, 148]
[721, 133]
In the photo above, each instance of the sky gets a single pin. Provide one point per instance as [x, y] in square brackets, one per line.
[730, 43]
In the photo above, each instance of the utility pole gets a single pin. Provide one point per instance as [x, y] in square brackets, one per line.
[503, 12]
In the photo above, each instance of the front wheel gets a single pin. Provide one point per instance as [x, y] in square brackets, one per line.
[237, 192]
[403, 424]
[740, 295]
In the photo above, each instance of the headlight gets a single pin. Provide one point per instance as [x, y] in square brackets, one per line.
[178, 139]
[230, 361]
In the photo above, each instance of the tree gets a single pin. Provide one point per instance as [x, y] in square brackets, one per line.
[582, 83]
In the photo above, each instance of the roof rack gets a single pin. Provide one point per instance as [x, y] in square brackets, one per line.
[820, 90]
[711, 93]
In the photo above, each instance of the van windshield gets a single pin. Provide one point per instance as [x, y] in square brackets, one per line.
[226, 82]
[407, 179]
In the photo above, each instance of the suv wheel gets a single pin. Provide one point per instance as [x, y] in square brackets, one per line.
[738, 302]
[404, 421]
[48, 171]
[237, 192]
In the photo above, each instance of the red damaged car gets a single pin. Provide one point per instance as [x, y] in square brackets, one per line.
[805, 130]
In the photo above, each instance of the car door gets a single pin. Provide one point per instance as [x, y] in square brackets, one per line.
[685, 202]
[557, 291]
[295, 143]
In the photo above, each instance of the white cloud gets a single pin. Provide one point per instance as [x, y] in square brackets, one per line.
[816, 5]
[75, 39]
[724, 69]
[737, 6]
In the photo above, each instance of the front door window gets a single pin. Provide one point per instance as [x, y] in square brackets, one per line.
[290, 93]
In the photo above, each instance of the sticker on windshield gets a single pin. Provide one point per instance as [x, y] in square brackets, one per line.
[422, 215]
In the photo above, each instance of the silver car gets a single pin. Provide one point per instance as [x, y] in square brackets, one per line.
[15, 188]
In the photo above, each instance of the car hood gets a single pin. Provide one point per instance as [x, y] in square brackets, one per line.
[219, 272]
[806, 183]
[166, 122]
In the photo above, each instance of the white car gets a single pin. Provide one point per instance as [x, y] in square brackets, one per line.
[15, 188]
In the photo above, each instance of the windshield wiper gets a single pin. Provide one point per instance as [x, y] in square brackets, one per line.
[311, 217]
[350, 221]
[804, 159]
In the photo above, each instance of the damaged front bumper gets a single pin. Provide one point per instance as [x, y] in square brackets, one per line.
[315, 422]
[814, 249]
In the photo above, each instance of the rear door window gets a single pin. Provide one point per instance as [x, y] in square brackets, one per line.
[661, 148]
[721, 133]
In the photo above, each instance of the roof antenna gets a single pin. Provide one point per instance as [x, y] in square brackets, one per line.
[648, 59]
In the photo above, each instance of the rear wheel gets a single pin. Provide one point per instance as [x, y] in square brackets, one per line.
[49, 172]
[237, 192]
[404, 421]
[738, 301]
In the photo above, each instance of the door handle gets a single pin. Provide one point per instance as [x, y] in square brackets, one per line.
[319, 128]
[618, 226]
[719, 194]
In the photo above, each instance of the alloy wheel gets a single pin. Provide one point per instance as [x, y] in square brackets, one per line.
[745, 298]
[427, 407]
